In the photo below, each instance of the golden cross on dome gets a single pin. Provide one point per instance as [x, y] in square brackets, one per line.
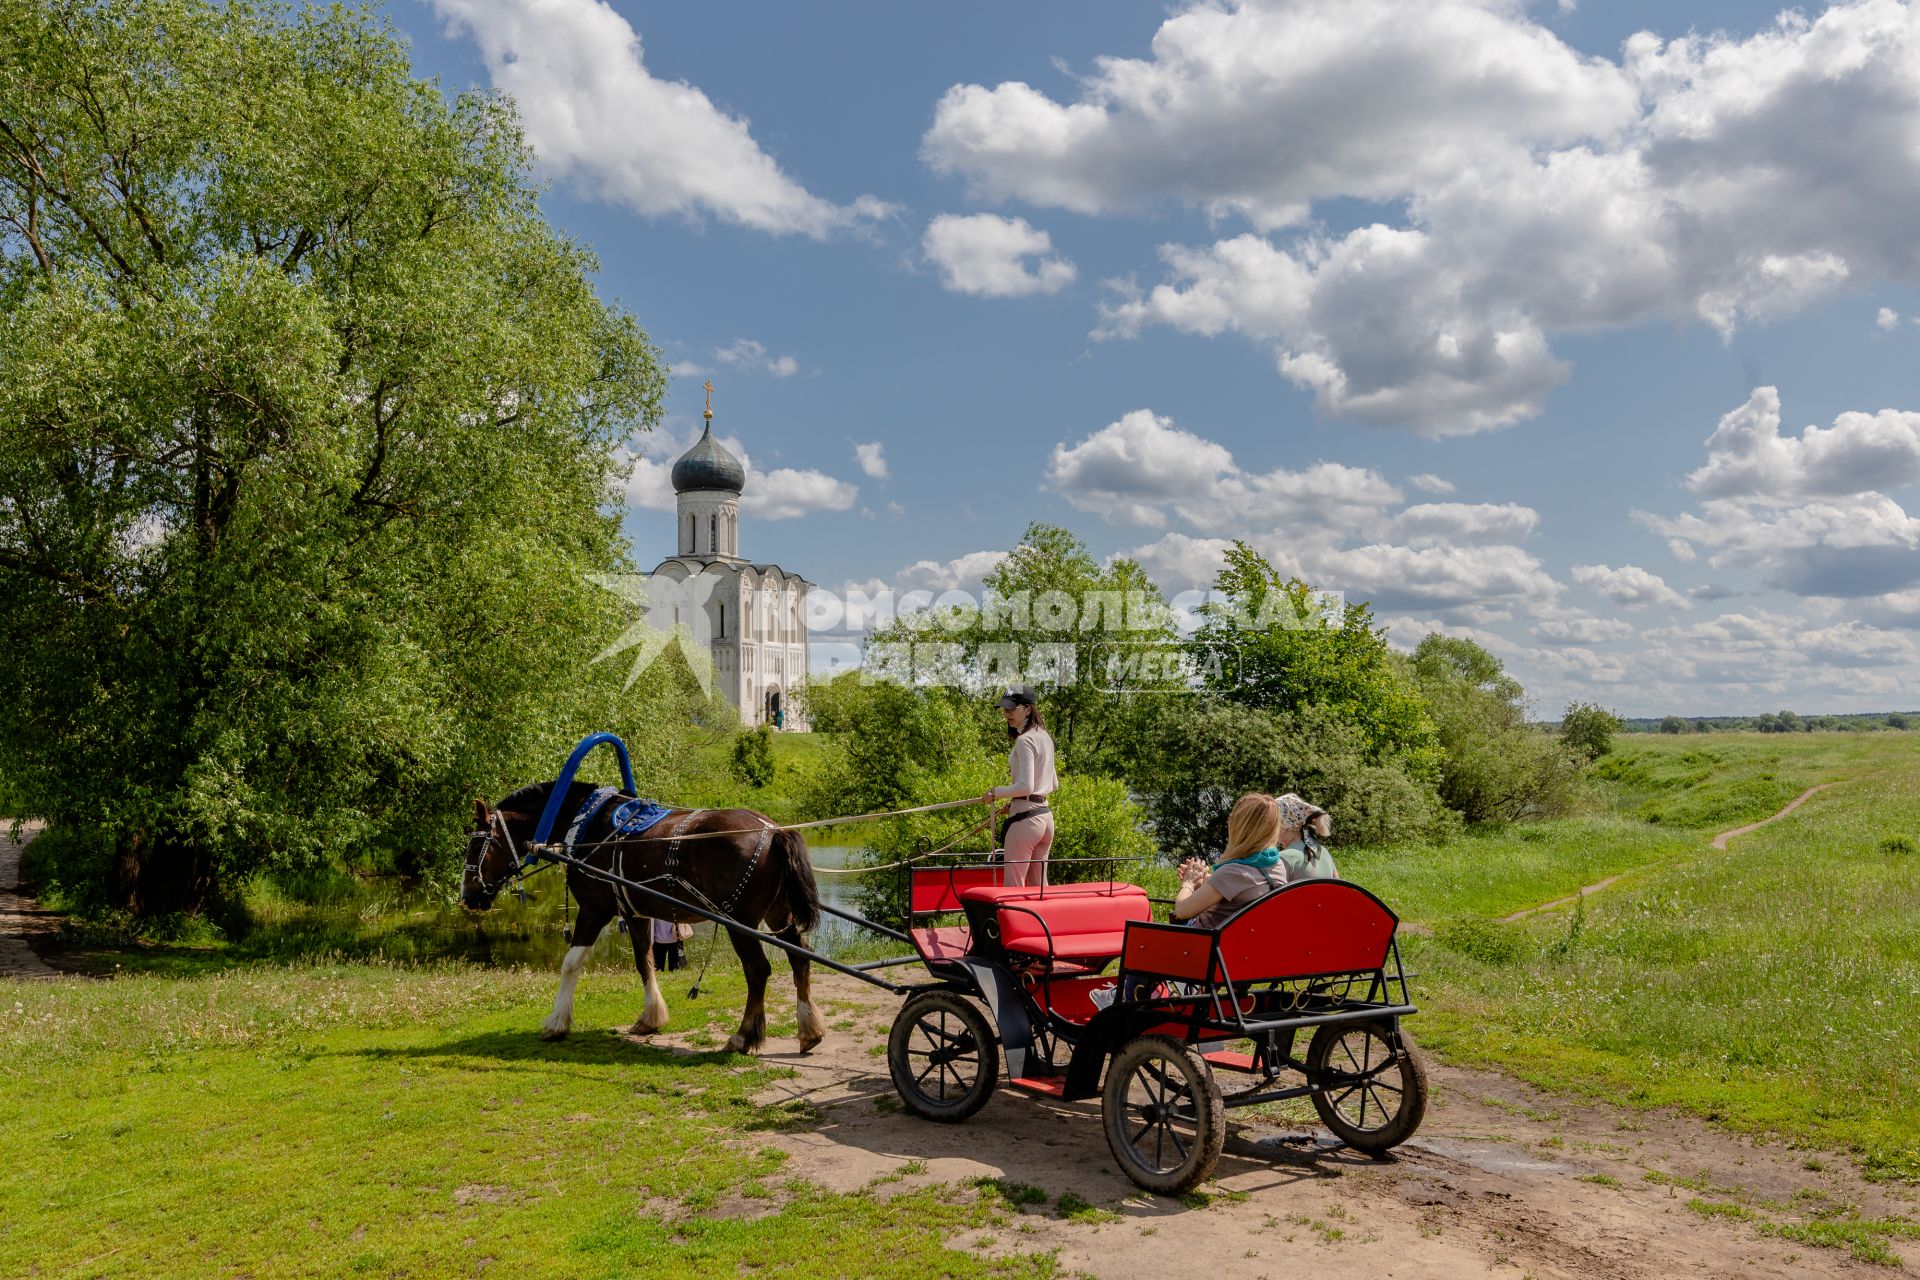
[709, 398]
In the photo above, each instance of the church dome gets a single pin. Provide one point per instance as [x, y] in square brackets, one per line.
[708, 465]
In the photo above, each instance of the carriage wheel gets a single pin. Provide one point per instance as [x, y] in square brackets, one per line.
[944, 1056]
[1164, 1118]
[1370, 1093]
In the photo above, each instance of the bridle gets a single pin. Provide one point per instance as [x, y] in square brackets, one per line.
[496, 829]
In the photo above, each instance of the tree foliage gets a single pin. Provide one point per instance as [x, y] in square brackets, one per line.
[1495, 768]
[1273, 643]
[309, 431]
[1090, 639]
[753, 756]
[1589, 729]
[1201, 756]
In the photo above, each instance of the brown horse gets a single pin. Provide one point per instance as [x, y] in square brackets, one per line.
[756, 873]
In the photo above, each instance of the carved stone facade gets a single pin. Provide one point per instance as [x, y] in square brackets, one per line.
[752, 616]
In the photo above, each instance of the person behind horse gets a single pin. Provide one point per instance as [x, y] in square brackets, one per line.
[1028, 833]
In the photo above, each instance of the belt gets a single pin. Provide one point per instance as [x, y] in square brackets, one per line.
[1039, 808]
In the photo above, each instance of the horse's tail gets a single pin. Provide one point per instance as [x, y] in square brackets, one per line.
[796, 879]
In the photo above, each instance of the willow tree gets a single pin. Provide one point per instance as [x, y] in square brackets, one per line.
[309, 432]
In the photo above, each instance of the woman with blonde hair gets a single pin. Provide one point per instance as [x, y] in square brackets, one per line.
[1269, 844]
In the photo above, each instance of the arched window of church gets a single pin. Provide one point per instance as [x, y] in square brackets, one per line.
[713, 535]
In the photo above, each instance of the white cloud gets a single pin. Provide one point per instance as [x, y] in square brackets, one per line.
[783, 493]
[1429, 483]
[1707, 179]
[958, 574]
[598, 118]
[1888, 319]
[1142, 468]
[1441, 523]
[1804, 512]
[1747, 457]
[751, 356]
[1437, 577]
[1629, 586]
[872, 458]
[987, 255]
[1583, 630]
[1235, 111]
[1853, 546]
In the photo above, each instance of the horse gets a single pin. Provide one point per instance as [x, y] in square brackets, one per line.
[755, 873]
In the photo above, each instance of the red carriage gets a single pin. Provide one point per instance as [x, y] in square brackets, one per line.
[1151, 1037]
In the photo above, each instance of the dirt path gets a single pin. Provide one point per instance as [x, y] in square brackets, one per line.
[1501, 1181]
[19, 917]
[1719, 842]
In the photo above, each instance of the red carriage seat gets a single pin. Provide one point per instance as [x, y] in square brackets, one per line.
[935, 891]
[1069, 922]
[1306, 930]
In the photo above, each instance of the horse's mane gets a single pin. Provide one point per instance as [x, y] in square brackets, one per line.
[532, 798]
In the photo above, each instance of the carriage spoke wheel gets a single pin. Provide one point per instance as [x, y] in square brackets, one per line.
[944, 1056]
[1162, 1110]
[1370, 1093]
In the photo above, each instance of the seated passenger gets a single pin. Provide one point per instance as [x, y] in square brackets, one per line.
[1250, 867]
[1302, 827]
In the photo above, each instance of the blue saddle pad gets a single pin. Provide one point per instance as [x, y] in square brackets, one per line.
[634, 816]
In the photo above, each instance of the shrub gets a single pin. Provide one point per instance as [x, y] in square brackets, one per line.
[1589, 729]
[1495, 768]
[1196, 759]
[753, 757]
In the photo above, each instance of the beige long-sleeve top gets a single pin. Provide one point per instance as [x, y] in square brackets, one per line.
[1030, 764]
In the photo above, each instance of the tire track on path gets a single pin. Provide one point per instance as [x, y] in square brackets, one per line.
[1719, 843]
[19, 915]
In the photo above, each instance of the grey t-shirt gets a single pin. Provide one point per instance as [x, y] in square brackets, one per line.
[1238, 884]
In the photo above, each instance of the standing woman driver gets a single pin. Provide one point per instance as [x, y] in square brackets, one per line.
[1028, 833]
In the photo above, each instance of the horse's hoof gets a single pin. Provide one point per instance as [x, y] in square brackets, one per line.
[738, 1044]
[641, 1028]
[554, 1033]
[807, 1043]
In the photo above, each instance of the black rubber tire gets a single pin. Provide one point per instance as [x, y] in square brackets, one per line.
[1163, 1114]
[945, 1036]
[1379, 1112]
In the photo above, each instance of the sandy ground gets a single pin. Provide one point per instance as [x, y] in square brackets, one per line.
[1497, 1183]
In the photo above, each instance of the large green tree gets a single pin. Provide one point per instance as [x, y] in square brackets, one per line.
[309, 431]
[1096, 641]
[1273, 642]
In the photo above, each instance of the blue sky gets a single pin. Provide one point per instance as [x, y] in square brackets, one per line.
[1438, 303]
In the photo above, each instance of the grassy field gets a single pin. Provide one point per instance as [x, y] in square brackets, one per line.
[1772, 987]
[361, 1119]
[213, 1114]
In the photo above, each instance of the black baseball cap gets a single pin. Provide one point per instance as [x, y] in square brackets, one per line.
[1018, 695]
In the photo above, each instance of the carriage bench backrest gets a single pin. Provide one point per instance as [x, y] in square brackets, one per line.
[1305, 930]
[935, 890]
[1061, 922]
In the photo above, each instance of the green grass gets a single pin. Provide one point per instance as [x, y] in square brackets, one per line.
[1772, 987]
[332, 1120]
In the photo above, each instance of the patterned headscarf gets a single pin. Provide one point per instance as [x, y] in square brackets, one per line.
[1295, 812]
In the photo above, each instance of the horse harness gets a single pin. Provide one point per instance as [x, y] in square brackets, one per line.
[623, 824]
[629, 818]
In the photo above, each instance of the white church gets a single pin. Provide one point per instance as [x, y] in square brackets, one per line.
[755, 619]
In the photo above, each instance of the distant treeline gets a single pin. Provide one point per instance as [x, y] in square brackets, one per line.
[1775, 722]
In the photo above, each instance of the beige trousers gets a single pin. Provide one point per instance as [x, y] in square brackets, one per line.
[1029, 841]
